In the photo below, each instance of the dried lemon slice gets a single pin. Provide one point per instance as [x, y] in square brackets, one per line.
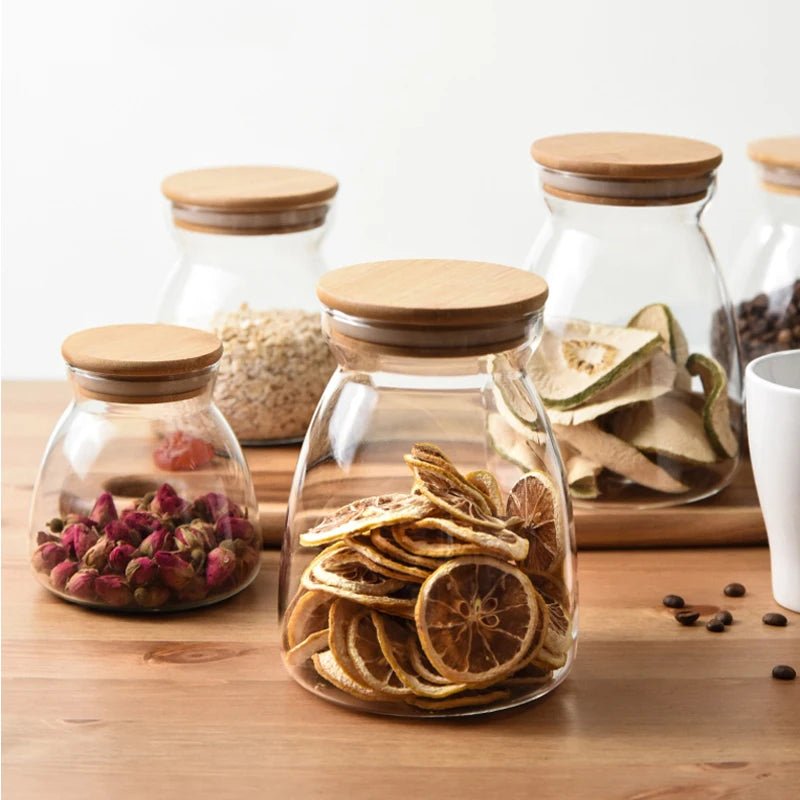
[328, 668]
[505, 543]
[383, 539]
[535, 499]
[401, 606]
[346, 568]
[434, 543]
[366, 514]
[530, 675]
[430, 453]
[476, 618]
[388, 566]
[367, 656]
[461, 701]
[308, 615]
[487, 485]
[300, 653]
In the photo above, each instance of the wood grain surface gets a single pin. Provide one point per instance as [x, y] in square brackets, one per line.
[198, 704]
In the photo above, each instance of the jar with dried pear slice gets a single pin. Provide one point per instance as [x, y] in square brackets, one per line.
[644, 414]
[424, 573]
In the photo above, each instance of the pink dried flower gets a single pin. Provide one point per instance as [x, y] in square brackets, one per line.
[141, 521]
[220, 565]
[56, 525]
[246, 563]
[151, 596]
[120, 556]
[42, 537]
[167, 503]
[121, 533]
[141, 571]
[196, 535]
[96, 556]
[214, 505]
[78, 519]
[229, 527]
[78, 538]
[81, 584]
[159, 539]
[103, 510]
[194, 591]
[47, 555]
[113, 590]
[61, 573]
[173, 570]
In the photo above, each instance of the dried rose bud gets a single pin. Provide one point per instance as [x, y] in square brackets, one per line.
[194, 591]
[229, 527]
[167, 503]
[78, 519]
[56, 524]
[120, 556]
[173, 570]
[122, 533]
[196, 535]
[47, 555]
[81, 584]
[61, 573]
[97, 556]
[144, 503]
[220, 565]
[159, 539]
[78, 538]
[103, 510]
[42, 537]
[141, 571]
[113, 590]
[214, 505]
[246, 564]
[141, 521]
[151, 596]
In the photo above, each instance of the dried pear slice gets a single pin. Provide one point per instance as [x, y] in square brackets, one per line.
[366, 514]
[511, 446]
[651, 380]
[515, 406]
[716, 411]
[571, 367]
[666, 426]
[658, 317]
[582, 474]
[618, 456]
[328, 667]
[505, 543]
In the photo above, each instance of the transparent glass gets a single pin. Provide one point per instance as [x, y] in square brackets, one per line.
[144, 506]
[765, 280]
[483, 413]
[657, 432]
[257, 293]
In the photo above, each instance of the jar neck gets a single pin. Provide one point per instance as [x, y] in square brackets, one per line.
[782, 208]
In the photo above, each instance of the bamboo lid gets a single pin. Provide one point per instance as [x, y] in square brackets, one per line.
[433, 305]
[779, 159]
[249, 200]
[142, 363]
[626, 168]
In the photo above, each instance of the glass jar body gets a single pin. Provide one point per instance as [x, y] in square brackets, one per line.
[765, 279]
[256, 292]
[483, 414]
[144, 507]
[652, 268]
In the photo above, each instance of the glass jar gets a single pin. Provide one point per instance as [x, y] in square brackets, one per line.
[765, 280]
[428, 565]
[144, 500]
[645, 415]
[249, 239]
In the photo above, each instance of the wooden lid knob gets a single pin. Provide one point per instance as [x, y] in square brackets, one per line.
[433, 305]
[141, 351]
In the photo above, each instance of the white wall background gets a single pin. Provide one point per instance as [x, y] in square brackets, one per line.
[424, 109]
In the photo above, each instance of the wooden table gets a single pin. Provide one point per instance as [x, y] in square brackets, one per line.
[198, 704]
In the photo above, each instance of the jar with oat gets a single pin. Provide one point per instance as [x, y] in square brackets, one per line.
[249, 241]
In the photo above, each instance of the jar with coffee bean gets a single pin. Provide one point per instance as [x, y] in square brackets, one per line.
[765, 280]
[645, 412]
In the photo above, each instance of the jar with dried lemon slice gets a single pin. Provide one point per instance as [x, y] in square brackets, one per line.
[424, 572]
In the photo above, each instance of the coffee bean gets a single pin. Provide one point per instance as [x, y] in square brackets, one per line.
[734, 590]
[783, 672]
[725, 617]
[687, 617]
[715, 625]
[673, 601]
[774, 619]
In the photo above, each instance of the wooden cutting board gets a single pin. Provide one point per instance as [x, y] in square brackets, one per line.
[731, 517]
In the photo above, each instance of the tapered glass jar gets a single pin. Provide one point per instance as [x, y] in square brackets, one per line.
[645, 403]
[765, 280]
[249, 241]
[428, 565]
[144, 500]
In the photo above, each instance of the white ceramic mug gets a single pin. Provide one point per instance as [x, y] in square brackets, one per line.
[772, 389]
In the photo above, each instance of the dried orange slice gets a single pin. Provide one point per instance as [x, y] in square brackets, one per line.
[487, 485]
[433, 543]
[346, 568]
[366, 514]
[505, 543]
[329, 668]
[476, 618]
[397, 641]
[400, 606]
[368, 658]
[308, 615]
[461, 701]
[383, 539]
[382, 563]
[300, 653]
[535, 499]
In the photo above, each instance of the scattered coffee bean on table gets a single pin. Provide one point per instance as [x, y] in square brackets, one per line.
[778, 620]
[673, 601]
[687, 617]
[734, 590]
[783, 672]
[725, 617]
[715, 625]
